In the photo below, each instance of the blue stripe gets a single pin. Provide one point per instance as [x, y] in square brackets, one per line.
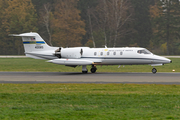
[40, 42]
[34, 42]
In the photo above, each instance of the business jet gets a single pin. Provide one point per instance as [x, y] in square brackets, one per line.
[36, 47]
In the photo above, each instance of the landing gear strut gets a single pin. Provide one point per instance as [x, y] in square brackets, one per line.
[84, 69]
[93, 69]
[154, 70]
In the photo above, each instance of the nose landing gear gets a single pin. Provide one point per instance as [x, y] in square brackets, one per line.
[154, 70]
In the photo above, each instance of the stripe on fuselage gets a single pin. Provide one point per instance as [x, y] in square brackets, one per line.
[34, 42]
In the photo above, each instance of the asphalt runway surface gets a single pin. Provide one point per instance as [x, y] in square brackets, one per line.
[104, 78]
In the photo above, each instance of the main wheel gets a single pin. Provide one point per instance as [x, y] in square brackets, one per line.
[154, 70]
[93, 69]
[84, 72]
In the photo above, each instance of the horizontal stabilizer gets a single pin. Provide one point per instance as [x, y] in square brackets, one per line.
[24, 35]
[71, 62]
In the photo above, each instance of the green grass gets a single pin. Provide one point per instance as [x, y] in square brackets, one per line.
[28, 64]
[89, 101]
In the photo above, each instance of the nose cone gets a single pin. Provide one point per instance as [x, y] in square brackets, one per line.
[166, 60]
[163, 60]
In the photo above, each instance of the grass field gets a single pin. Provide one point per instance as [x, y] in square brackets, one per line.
[28, 64]
[89, 101]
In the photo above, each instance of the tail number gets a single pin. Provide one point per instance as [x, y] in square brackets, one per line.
[38, 47]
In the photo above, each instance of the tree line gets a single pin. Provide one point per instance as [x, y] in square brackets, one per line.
[153, 24]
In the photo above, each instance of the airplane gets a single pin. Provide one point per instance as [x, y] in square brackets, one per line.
[35, 47]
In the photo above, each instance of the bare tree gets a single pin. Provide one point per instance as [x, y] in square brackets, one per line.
[90, 26]
[46, 18]
[111, 16]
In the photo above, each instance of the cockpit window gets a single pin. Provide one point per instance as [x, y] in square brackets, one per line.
[144, 51]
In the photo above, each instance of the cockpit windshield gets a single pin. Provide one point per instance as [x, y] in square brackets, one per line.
[144, 51]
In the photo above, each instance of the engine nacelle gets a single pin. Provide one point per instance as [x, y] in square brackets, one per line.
[71, 53]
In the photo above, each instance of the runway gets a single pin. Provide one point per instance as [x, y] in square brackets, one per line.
[104, 78]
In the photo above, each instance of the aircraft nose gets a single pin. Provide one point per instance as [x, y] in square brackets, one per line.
[169, 61]
[166, 60]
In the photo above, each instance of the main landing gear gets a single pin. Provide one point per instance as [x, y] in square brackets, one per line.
[93, 69]
[85, 70]
[154, 70]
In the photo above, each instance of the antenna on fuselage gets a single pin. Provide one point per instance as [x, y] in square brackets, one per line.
[104, 46]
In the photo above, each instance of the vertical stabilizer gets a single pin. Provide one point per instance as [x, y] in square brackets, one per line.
[33, 42]
[36, 47]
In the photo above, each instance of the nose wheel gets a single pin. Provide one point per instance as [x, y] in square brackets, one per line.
[154, 70]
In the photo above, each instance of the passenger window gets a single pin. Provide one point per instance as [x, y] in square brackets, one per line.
[95, 53]
[121, 53]
[107, 53]
[114, 53]
[101, 53]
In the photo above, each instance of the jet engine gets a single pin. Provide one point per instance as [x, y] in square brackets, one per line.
[69, 53]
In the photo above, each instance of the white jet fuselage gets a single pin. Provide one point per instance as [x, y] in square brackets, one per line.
[111, 56]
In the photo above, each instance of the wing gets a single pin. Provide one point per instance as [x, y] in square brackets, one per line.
[71, 62]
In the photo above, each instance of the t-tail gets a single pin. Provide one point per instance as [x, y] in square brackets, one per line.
[36, 47]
